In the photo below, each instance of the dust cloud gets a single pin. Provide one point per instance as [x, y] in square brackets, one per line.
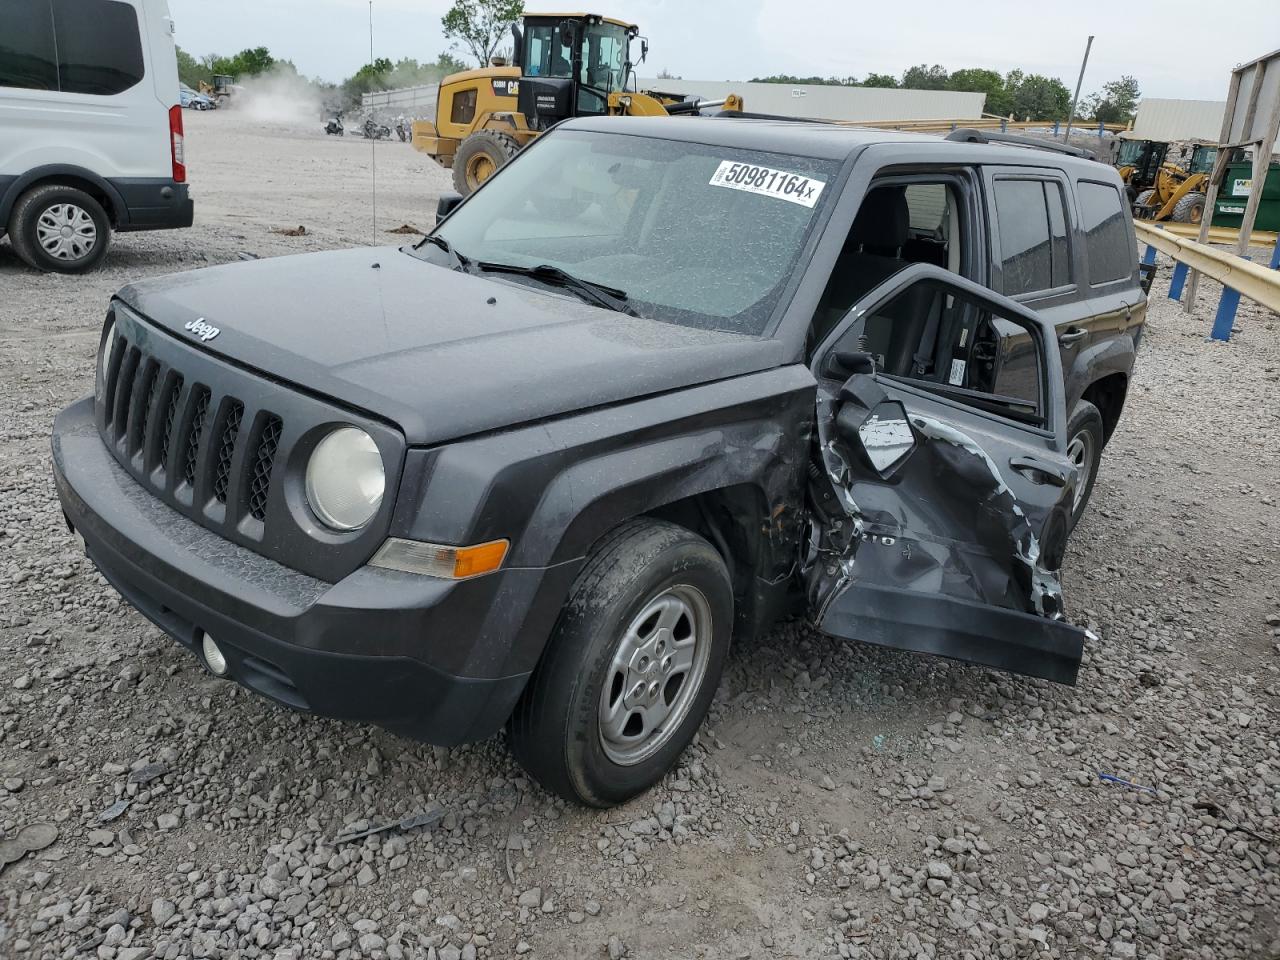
[279, 96]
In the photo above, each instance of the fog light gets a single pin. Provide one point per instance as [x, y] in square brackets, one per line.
[213, 657]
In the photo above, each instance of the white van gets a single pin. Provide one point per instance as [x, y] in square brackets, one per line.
[90, 127]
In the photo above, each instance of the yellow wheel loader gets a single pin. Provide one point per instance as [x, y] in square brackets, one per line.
[566, 65]
[1178, 194]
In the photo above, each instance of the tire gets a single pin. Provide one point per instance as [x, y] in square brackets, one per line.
[1085, 438]
[1190, 209]
[479, 157]
[574, 728]
[1142, 199]
[44, 211]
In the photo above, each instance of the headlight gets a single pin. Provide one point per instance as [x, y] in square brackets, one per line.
[345, 479]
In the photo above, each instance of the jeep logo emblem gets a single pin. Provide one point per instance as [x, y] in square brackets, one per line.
[205, 331]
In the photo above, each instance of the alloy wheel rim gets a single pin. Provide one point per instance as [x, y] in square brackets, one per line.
[1080, 453]
[66, 232]
[657, 669]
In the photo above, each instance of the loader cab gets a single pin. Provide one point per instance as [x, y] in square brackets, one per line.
[570, 65]
[1139, 162]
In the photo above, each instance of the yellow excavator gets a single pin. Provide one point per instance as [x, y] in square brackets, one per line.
[565, 65]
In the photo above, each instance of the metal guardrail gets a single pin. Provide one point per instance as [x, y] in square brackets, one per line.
[1191, 231]
[1249, 279]
[1238, 276]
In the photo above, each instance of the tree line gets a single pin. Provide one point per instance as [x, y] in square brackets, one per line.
[1017, 94]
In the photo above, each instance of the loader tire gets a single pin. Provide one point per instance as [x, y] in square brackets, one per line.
[479, 158]
[1190, 209]
[1140, 202]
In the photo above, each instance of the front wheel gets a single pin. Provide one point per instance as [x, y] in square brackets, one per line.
[631, 668]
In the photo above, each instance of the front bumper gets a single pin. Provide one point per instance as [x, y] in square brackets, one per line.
[426, 658]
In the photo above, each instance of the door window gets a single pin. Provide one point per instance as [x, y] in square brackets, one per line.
[27, 54]
[1102, 217]
[1033, 235]
[948, 343]
[99, 46]
[75, 46]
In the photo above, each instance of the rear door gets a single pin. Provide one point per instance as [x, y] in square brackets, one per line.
[943, 493]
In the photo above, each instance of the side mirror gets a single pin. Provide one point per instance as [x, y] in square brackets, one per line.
[447, 203]
[568, 33]
[843, 364]
[886, 437]
[644, 49]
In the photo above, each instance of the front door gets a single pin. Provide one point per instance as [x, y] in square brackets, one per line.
[943, 494]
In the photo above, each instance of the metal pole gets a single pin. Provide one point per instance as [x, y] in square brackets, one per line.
[1066, 137]
[373, 141]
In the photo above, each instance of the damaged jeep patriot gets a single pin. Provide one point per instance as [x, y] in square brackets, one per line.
[655, 385]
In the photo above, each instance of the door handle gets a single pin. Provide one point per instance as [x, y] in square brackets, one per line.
[1038, 471]
[1072, 335]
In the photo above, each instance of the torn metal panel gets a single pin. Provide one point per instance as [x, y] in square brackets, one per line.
[920, 541]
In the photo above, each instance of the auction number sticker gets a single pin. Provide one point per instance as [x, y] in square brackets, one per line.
[792, 187]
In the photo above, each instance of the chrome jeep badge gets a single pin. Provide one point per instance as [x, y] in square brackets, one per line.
[205, 331]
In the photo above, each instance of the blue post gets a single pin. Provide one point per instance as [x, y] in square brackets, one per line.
[1102, 130]
[1150, 255]
[1226, 316]
[1004, 125]
[1055, 128]
[1275, 256]
[1178, 279]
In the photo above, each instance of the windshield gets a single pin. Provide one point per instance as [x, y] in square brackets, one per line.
[604, 51]
[1130, 151]
[694, 234]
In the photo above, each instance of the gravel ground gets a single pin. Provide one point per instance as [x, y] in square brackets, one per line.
[841, 801]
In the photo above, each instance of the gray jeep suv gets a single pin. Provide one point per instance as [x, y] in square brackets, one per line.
[658, 383]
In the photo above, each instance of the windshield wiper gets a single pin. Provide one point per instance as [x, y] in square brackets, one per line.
[439, 241]
[610, 298]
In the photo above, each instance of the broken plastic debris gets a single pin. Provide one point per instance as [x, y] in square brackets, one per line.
[113, 812]
[32, 837]
[1111, 778]
[424, 818]
[148, 773]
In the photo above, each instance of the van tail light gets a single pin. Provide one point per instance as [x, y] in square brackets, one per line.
[175, 142]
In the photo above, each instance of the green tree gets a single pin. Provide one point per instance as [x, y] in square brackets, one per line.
[978, 80]
[924, 77]
[1116, 103]
[480, 25]
[370, 77]
[1039, 98]
[191, 71]
[880, 80]
[247, 63]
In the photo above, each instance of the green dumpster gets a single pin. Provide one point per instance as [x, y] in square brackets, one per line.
[1234, 194]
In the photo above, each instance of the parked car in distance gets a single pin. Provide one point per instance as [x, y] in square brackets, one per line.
[90, 128]
[656, 384]
[194, 99]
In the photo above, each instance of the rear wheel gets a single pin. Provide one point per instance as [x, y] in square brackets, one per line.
[60, 229]
[1084, 450]
[632, 666]
[479, 158]
[1143, 199]
[1190, 209]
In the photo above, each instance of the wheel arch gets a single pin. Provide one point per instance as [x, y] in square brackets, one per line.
[67, 175]
[1108, 394]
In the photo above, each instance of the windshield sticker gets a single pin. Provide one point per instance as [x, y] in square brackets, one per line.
[792, 187]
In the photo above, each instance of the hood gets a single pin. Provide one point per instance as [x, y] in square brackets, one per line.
[441, 353]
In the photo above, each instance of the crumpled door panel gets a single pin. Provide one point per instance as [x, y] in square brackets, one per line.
[938, 553]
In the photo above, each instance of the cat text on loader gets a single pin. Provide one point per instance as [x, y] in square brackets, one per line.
[566, 65]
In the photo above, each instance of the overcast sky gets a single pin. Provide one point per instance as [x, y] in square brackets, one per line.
[739, 39]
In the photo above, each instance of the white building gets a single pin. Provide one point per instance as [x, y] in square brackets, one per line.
[1168, 120]
[832, 103]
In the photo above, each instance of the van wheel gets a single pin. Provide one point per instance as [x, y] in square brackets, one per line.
[631, 668]
[59, 229]
[1084, 450]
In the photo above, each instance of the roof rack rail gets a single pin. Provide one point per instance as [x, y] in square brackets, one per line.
[970, 135]
[747, 115]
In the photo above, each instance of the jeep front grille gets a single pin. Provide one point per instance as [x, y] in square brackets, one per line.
[163, 424]
[226, 447]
